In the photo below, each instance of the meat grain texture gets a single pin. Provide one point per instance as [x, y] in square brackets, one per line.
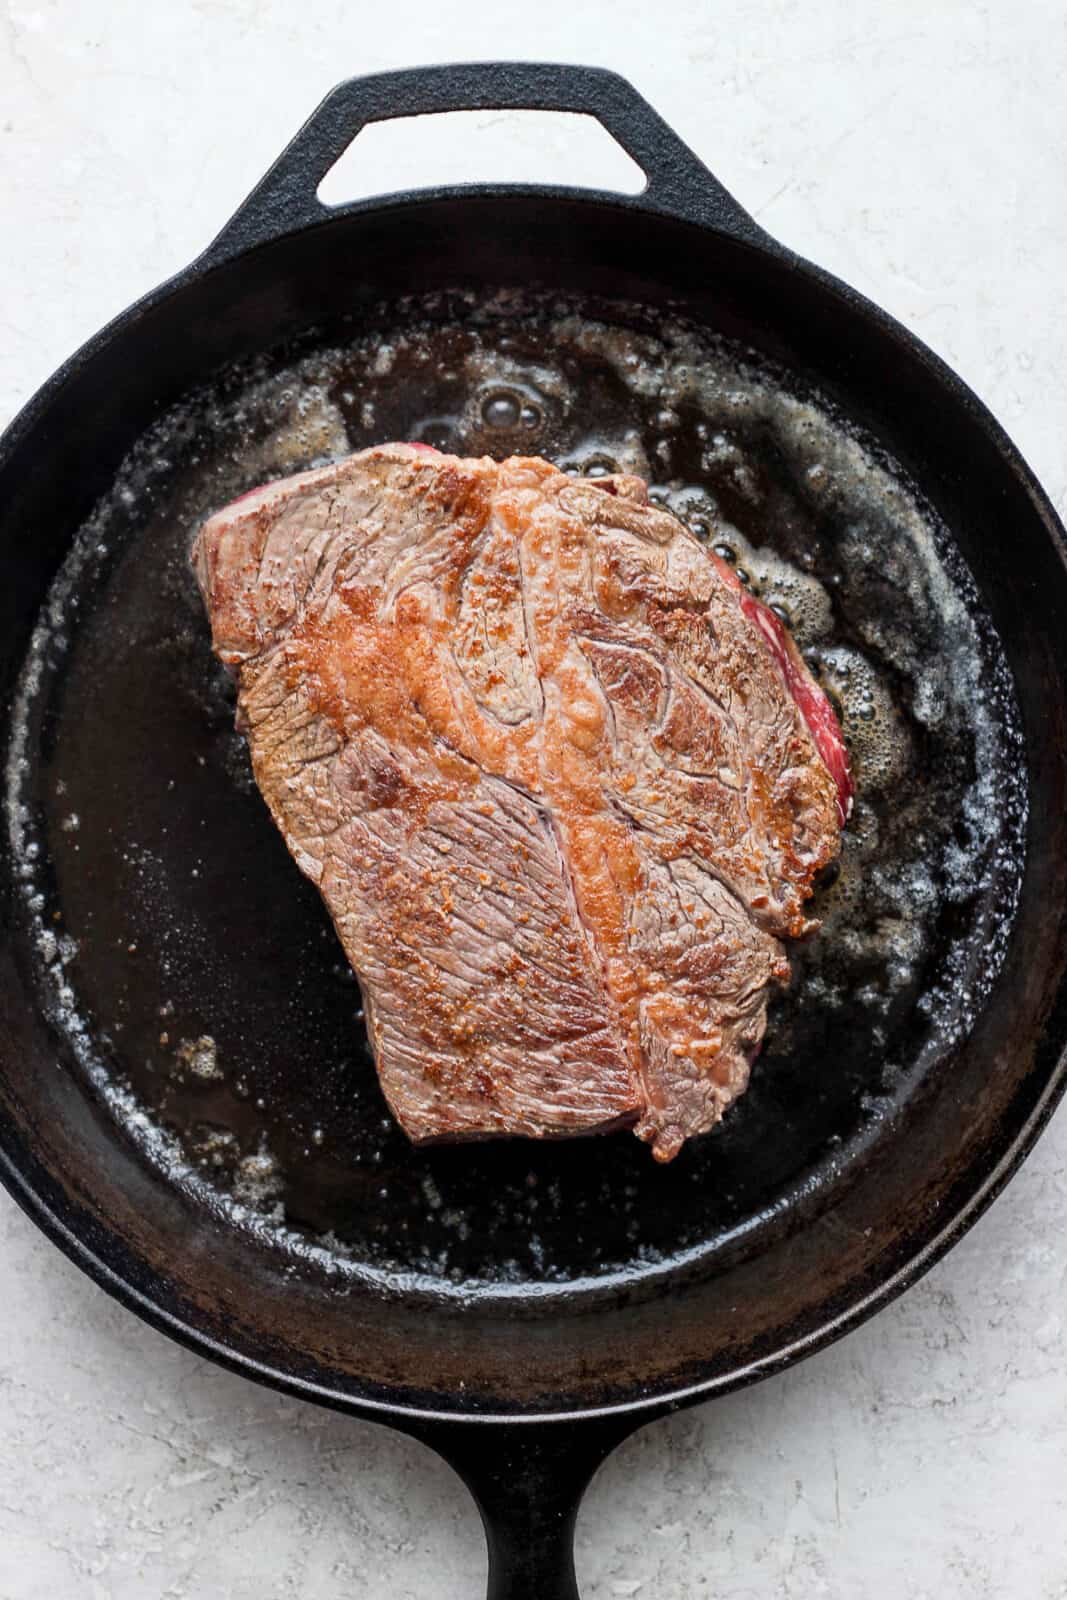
[556, 775]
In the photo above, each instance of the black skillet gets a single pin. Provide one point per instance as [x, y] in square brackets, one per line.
[522, 1381]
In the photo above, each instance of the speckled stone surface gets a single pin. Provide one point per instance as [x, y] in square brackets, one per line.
[920, 151]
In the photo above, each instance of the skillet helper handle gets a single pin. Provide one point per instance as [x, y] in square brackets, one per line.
[528, 1479]
[286, 199]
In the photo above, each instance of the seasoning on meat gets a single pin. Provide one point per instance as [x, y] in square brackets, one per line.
[563, 785]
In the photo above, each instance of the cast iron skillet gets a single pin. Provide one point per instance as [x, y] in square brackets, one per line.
[523, 1387]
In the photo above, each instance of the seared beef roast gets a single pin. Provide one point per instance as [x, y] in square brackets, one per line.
[563, 784]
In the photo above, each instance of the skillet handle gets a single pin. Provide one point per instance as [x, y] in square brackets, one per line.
[678, 182]
[528, 1479]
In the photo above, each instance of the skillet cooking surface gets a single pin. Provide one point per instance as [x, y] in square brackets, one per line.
[191, 973]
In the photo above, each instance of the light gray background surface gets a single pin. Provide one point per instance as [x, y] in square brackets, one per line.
[921, 152]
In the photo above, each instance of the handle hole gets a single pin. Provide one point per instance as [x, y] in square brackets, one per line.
[562, 147]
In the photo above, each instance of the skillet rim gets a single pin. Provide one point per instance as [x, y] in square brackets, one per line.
[1000, 1161]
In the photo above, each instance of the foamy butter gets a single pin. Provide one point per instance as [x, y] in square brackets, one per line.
[914, 654]
[880, 746]
[291, 427]
[820, 526]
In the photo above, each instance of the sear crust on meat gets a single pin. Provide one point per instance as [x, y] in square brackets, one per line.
[562, 784]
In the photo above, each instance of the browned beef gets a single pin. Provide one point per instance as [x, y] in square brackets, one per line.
[546, 763]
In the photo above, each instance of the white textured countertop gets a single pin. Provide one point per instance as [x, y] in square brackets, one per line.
[919, 151]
